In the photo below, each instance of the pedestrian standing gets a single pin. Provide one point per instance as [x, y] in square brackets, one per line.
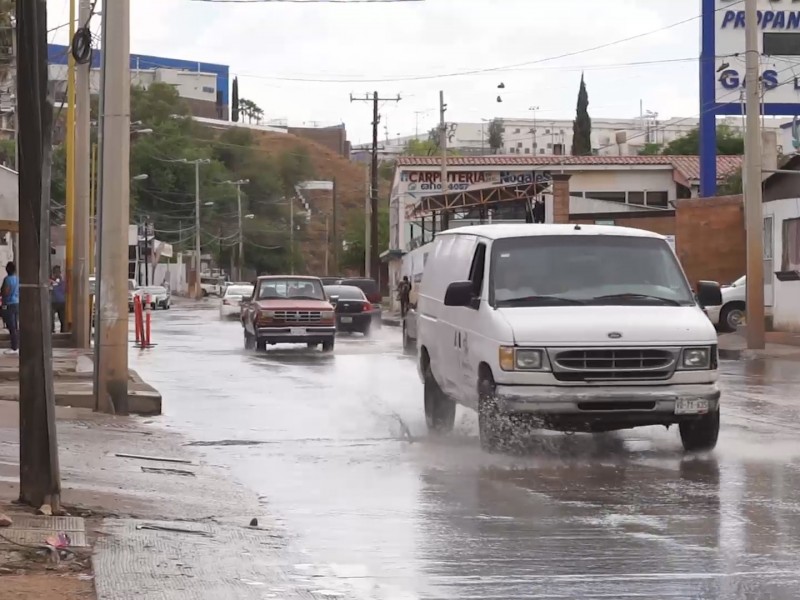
[10, 294]
[58, 300]
[404, 291]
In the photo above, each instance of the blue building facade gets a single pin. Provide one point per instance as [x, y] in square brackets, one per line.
[58, 55]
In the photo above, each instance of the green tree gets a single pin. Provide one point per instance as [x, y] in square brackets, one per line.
[729, 142]
[417, 147]
[235, 100]
[651, 149]
[354, 255]
[496, 135]
[732, 184]
[582, 125]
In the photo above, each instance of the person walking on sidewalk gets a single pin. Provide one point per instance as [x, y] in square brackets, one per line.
[58, 298]
[404, 291]
[10, 294]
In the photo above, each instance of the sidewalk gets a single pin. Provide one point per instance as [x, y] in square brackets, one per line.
[73, 380]
[391, 319]
[780, 345]
[164, 525]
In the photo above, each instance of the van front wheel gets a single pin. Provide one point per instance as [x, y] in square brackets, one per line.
[493, 427]
[701, 434]
[440, 411]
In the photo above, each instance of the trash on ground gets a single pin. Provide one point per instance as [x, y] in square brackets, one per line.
[163, 471]
[152, 527]
[154, 458]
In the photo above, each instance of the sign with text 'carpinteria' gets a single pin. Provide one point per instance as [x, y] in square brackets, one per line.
[722, 68]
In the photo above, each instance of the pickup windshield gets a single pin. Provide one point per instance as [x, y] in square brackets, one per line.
[578, 270]
[297, 288]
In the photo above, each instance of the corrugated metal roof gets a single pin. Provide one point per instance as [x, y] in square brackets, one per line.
[687, 166]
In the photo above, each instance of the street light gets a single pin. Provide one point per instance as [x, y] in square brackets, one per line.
[239, 185]
[197, 162]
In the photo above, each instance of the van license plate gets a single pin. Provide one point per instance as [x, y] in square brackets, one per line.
[691, 406]
[347, 319]
[297, 331]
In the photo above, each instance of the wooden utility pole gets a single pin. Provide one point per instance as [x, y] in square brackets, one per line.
[334, 234]
[39, 478]
[445, 215]
[374, 253]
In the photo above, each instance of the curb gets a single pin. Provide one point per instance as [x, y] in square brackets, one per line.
[389, 322]
[729, 354]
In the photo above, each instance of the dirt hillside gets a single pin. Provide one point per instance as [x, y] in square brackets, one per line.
[351, 189]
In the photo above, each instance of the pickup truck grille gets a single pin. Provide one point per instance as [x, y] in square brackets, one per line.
[298, 316]
[614, 364]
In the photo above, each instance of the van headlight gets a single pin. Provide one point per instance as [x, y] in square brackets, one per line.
[696, 358]
[521, 359]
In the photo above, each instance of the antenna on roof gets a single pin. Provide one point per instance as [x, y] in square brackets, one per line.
[577, 227]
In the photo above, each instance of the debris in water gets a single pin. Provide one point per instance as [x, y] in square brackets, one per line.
[167, 471]
[154, 458]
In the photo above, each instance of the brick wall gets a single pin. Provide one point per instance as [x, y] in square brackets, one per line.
[710, 238]
[663, 223]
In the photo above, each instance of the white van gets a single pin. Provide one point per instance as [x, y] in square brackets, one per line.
[567, 327]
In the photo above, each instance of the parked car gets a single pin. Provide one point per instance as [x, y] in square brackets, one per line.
[211, 285]
[371, 291]
[133, 291]
[567, 327]
[231, 302]
[329, 280]
[353, 310]
[289, 309]
[731, 313]
[158, 296]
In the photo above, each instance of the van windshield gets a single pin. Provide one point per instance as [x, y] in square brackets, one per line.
[578, 270]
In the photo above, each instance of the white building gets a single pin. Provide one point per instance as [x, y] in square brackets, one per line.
[553, 137]
[782, 247]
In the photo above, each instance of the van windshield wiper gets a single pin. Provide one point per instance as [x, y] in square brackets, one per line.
[539, 300]
[668, 301]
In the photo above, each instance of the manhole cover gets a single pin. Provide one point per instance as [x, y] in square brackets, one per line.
[34, 530]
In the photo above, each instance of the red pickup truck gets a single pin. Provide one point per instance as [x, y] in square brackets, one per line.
[288, 309]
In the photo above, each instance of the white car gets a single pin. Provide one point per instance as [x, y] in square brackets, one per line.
[158, 296]
[133, 291]
[565, 327]
[230, 304]
[731, 313]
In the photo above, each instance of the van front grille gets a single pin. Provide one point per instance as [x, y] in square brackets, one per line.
[613, 364]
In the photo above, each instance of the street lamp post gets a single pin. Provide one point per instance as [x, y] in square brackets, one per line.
[240, 263]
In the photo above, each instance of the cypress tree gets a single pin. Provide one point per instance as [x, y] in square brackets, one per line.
[235, 100]
[582, 125]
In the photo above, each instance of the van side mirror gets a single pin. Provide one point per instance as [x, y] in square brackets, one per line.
[459, 293]
[709, 293]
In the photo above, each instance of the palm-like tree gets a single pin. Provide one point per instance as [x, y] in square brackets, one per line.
[7, 22]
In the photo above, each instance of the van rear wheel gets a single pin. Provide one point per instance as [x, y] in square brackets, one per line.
[701, 434]
[440, 411]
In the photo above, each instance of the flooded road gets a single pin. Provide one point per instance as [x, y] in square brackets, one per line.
[336, 447]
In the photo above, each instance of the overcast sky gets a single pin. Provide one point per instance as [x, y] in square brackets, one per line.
[419, 48]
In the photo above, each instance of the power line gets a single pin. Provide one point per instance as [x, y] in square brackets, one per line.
[488, 69]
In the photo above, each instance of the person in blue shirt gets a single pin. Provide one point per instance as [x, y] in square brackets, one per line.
[58, 299]
[10, 293]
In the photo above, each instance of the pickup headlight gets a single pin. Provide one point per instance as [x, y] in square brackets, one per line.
[327, 314]
[267, 314]
[696, 358]
[521, 359]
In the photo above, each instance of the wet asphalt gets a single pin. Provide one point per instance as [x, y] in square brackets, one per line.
[336, 447]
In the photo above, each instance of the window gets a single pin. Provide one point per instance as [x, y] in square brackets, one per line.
[558, 149]
[519, 144]
[562, 132]
[477, 270]
[597, 269]
[782, 44]
[516, 130]
[791, 245]
[610, 196]
[541, 151]
[511, 150]
[549, 145]
[527, 150]
[636, 198]
[290, 288]
[547, 131]
[768, 241]
[660, 199]
[535, 144]
[344, 292]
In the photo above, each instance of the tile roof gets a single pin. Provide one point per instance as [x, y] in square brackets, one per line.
[687, 166]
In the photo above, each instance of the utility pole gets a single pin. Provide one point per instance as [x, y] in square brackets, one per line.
[198, 290]
[445, 215]
[81, 324]
[39, 478]
[291, 233]
[70, 175]
[754, 219]
[112, 350]
[374, 254]
[327, 245]
[333, 229]
[239, 184]
[367, 221]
